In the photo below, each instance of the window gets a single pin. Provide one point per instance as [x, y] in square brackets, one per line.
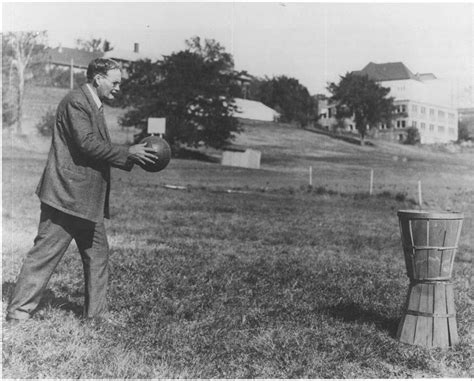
[403, 108]
[403, 124]
[451, 118]
[432, 112]
[431, 127]
[422, 125]
[441, 129]
[398, 124]
[423, 110]
[414, 108]
[413, 123]
[441, 114]
[452, 131]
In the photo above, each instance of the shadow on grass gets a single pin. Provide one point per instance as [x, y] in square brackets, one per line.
[351, 312]
[345, 138]
[188, 154]
[48, 299]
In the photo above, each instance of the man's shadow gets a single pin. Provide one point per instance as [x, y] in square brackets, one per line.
[48, 299]
[351, 312]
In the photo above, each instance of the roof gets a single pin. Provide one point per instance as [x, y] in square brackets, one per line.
[126, 55]
[82, 58]
[425, 76]
[63, 56]
[390, 71]
[248, 109]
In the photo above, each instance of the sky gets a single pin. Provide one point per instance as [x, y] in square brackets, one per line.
[313, 42]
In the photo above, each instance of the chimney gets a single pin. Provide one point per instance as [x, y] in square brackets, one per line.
[136, 47]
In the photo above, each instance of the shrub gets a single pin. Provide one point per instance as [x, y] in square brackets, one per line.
[9, 114]
[413, 136]
[401, 196]
[46, 124]
[385, 194]
[463, 132]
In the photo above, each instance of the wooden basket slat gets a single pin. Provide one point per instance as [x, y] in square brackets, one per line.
[440, 325]
[451, 308]
[435, 259]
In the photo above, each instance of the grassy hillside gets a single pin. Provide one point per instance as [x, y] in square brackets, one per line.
[287, 154]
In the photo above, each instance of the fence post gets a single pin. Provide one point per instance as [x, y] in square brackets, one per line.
[371, 185]
[420, 200]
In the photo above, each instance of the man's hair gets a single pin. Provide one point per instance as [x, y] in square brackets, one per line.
[101, 66]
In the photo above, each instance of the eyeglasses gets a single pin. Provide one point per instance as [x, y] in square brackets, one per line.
[114, 84]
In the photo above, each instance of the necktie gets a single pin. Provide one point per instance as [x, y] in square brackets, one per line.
[104, 126]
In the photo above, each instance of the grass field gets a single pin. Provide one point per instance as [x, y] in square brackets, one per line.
[245, 273]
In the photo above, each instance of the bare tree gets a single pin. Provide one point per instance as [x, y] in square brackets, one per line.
[21, 48]
[94, 45]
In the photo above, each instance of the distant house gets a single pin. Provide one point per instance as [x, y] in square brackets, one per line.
[125, 57]
[79, 59]
[421, 101]
[244, 80]
[66, 58]
[327, 116]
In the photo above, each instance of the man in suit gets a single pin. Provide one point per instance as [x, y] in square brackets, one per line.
[74, 193]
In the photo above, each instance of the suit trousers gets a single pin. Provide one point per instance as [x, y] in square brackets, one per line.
[56, 231]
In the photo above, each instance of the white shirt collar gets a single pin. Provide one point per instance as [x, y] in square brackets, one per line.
[94, 96]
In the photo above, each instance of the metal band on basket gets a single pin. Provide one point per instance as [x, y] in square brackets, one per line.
[427, 314]
[442, 248]
[431, 281]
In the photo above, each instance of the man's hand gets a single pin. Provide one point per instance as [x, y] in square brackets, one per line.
[141, 154]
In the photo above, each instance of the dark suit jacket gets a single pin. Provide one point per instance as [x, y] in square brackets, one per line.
[76, 179]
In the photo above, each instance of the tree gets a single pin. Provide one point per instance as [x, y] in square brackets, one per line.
[94, 45]
[363, 99]
[413, 136]
[19, 49]
[464, 130]
[287, 96]
[193, 89]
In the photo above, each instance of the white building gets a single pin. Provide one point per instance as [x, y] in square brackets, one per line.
[421, 101]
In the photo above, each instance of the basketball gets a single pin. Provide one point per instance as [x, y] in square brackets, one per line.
[163, 151]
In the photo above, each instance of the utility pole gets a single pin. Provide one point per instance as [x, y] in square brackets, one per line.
[71, 77]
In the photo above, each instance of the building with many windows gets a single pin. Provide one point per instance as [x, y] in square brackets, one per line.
[421, 101]
[435, 123]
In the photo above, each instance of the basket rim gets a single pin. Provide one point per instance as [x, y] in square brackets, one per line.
[430, 214]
